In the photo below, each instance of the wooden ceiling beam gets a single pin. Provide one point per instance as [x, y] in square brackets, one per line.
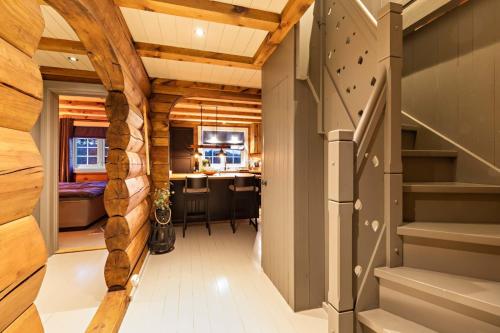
[211, 113]
[212, 120]
[83, 117]
[157, 51]
[233, 104]
[69, 75]
[183, 123]
[221, 108]
[192, 55]
[208, 10]
[207, 86]
[291, 14]
[81, 111]
[215, 94]
[77, 104]
[61, 45]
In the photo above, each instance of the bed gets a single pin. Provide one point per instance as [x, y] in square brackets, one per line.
[80, 204]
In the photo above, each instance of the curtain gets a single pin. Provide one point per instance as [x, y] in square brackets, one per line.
[66, 131]
[90, 132]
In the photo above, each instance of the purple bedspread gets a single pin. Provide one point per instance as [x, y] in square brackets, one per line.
[81, 190]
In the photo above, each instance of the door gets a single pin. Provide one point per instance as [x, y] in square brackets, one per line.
[181, 143]
[277, 189]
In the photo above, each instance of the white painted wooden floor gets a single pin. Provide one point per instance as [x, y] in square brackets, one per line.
[214, 284]
[71, 291]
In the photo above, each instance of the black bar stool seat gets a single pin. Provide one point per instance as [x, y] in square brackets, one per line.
[244, 186]
[196, 190]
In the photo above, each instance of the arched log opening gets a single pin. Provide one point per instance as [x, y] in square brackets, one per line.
[100, 28]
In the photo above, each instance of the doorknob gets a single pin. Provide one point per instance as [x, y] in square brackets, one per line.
[264, 182]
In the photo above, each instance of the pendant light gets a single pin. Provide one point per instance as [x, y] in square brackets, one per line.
[197, 152]
[221, 152]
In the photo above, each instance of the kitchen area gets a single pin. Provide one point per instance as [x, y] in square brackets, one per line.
[215, 163]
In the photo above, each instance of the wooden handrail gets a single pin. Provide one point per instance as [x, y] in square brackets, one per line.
[368, 14]
[370, 109]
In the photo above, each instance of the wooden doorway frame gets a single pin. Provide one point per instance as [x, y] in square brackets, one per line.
[48, 143]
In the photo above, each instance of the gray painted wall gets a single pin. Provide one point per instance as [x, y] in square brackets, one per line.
[452, 83]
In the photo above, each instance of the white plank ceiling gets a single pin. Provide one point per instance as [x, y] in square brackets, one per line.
[177, 31]
[60, 60]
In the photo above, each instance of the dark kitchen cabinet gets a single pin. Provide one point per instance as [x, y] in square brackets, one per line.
[181, 143]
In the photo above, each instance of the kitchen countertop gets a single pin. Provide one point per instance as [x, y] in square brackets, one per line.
[223, 175]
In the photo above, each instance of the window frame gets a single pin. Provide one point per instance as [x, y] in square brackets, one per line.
[244, 151]
[102, 149]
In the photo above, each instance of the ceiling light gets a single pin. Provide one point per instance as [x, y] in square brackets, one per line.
[72, 59]
[199, 32]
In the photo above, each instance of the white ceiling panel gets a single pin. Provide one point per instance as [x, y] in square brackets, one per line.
[60, 59]
[275, 6]
[163, 29]
[55, 25]
[189, 71]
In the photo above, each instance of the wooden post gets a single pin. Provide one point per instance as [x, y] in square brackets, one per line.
[340, 219]
[390, 54]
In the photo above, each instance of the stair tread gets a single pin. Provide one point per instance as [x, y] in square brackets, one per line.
[482, 295]
[450, 187]
[409, 127]
[429, 153]
[382, 321]
[474, 233]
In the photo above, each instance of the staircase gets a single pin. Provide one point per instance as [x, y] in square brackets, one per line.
[450, 278]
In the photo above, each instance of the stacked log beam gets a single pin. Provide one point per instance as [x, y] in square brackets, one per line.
[22, 249]
[126, 198]
[161, 105]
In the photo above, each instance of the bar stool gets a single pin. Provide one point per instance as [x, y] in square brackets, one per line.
[196, 190]
[245, 186]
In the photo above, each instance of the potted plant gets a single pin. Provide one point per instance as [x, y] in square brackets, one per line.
[162, 238]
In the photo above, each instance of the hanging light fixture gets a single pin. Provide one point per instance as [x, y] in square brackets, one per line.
[197, 152]
[221, 152]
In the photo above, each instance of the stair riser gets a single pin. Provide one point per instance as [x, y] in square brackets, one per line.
[478, 261]
[408, 139]
[450, 207]
[428, 169]
[433, 312]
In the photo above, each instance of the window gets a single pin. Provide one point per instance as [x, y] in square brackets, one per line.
[212, 155]
[89, 154]
[236, 138]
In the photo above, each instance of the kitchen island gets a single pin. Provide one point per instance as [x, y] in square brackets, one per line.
[220, 199]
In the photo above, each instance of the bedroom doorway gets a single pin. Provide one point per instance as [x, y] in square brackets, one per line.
[82, 173]
[71, 210]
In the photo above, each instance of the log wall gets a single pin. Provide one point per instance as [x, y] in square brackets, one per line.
[22, 249]
[161, 105]
[126, 198]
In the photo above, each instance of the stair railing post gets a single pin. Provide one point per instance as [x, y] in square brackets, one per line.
[390, 54]
[341, 164]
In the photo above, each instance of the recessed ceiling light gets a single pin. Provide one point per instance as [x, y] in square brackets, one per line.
[72, 59]
[199, 32]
